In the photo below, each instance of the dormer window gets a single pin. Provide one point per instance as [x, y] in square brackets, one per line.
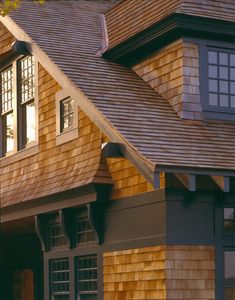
[218, 81]
[221, 75]
[18, 106]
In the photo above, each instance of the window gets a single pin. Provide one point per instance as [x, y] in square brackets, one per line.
[229, 220]
[217, 80]
[18, 106]
[66, 114]
[221, 76]
[7, 123]
[66, 118]
[26, 70]
[59, 279]
[56, 236]
[84, 231]
[229, 275]
[87, 277]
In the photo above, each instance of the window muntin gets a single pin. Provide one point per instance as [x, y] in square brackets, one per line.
[87, 277]
[59, 279]
[27, 75]
[221, 79]
[229, 275]
[229, 220]
[66, 114]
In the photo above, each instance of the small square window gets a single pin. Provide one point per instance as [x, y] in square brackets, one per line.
[66, 118]
[66, 114]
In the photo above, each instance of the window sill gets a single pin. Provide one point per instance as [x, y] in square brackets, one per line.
[19, 155]
[67, 136]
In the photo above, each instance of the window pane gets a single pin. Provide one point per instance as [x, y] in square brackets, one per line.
[232, 60]
[213, 85]
[229, 220]
[232, 73]
[212, 57]
[224, 100]
[213, 71]
[223, 85]
[223, 72]
[9, 132]
[30, 122]
[213, 99]
[223, 58]
[232, 101]
[232, 87]
[229, 275]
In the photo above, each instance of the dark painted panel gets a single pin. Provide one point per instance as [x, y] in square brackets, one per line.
[135, 223]
[133, 218]
[190, 222]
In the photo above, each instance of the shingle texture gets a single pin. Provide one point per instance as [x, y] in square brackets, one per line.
[69, 32]
[129, 17]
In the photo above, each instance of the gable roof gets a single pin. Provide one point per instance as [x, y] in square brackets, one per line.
[65, 36]
[128, 17]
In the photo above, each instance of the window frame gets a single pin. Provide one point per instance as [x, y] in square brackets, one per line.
[18, 120]
[210, 112]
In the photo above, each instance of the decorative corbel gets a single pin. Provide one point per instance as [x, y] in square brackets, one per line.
[39, 228]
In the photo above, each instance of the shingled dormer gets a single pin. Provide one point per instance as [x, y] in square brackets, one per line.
[183, 50]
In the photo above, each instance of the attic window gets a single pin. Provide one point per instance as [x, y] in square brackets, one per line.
[66, 118]
[66, 114]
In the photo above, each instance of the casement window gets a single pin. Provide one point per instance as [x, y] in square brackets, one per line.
[66, 118]
[87, 278]
[59, 279]
[18, 106]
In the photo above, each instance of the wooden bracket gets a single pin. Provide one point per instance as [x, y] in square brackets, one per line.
[188, 180]
[95, 216]
[40, 233]
[223, 182]
[63, 223]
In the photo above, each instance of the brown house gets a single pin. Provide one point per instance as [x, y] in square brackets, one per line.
[117, 145]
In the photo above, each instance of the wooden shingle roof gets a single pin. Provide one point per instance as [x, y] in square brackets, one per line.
[128, 17]
[65, 35]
